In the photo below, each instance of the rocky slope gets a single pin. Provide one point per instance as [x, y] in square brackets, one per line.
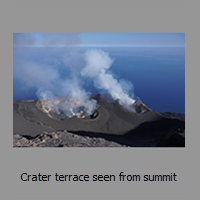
[110, 126]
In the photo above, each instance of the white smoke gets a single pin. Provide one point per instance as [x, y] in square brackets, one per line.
[97, 64]
[57, 74]
[76, 103]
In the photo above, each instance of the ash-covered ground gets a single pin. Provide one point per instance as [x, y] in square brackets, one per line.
[110, 125]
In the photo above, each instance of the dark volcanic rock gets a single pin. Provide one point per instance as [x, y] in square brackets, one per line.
[61, 139]
[110, 125]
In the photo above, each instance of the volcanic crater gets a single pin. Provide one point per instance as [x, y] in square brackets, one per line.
[109, 120]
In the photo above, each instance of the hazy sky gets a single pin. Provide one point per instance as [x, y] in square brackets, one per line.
[133, 39]
[99, 39]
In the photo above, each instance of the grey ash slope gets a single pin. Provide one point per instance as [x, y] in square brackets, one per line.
[111, 122]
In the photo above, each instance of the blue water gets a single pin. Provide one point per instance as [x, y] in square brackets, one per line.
[157, 74]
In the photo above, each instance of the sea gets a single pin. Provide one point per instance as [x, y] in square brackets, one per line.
[157, 75]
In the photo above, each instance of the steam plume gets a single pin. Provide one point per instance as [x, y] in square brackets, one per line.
[97, 64]
[53, 72]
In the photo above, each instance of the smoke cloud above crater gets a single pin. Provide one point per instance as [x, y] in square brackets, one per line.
[97, 64]
[51, 68]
